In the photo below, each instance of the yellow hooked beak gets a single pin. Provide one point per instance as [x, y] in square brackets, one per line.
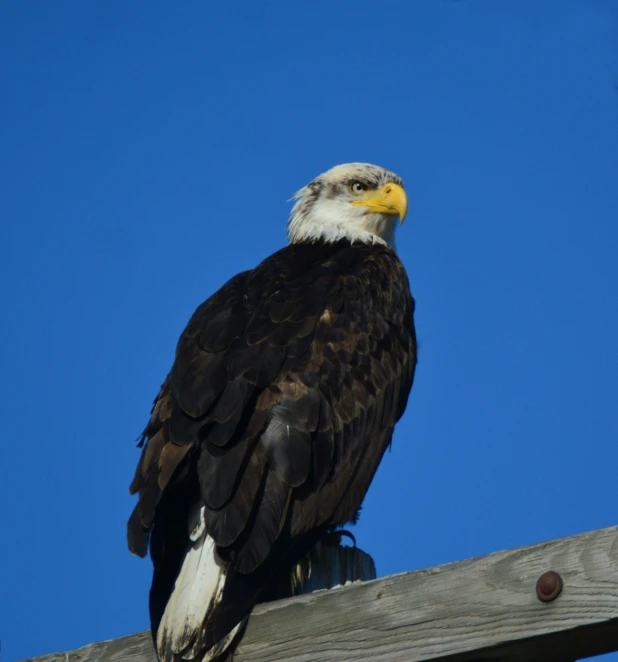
[391, 199]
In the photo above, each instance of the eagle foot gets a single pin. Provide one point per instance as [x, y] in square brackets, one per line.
[334, 537]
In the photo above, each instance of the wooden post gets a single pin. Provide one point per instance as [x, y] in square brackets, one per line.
[336, 565]
[480, 610]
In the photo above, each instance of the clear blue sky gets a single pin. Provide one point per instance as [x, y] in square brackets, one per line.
[147, 153]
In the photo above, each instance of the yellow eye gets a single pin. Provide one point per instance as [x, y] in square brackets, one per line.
[357, 188]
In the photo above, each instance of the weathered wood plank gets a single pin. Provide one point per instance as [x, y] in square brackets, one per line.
[480, 609]
[330, 564]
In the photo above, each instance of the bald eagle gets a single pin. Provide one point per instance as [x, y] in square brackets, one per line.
[267, 432]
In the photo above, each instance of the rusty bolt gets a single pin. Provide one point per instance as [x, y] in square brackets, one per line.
[549, 586]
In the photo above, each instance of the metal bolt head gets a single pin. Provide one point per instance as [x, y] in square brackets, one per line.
[548, 586]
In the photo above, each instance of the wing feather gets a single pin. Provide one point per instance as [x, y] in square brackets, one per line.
[266, 526]
[226, 524]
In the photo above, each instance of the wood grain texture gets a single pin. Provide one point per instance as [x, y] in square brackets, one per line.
[480, 609]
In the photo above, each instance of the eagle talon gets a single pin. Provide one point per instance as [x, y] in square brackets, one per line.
[334, 537]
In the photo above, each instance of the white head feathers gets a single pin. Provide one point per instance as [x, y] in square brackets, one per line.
[355, 201]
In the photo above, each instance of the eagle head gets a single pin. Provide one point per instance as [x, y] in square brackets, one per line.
[354, 201]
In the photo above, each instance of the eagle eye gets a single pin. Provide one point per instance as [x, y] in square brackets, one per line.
[357, 187]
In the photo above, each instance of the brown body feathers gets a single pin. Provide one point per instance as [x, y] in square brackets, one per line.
[282, 399]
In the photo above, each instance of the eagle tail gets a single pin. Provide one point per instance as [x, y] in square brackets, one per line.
[209, 606]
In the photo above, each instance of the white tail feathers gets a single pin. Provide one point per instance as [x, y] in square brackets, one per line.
[197, 591]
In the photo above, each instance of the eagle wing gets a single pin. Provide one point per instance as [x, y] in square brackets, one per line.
[282, 399]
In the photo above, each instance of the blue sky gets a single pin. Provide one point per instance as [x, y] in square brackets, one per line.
[147, 155]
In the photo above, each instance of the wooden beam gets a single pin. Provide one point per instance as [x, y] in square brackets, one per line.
[480, 609]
